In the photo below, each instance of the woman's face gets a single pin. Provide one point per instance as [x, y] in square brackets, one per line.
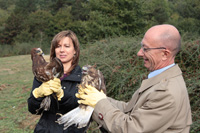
[65, 50]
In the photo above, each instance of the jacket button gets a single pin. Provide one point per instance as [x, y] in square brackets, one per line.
[100, 116]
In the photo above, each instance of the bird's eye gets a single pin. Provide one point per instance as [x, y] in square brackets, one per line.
[37, 51]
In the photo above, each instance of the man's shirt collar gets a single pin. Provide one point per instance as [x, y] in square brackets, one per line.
[156, 72]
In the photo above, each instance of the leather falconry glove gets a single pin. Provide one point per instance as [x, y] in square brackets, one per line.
[90, 95]
[42, 90]
[55, 86]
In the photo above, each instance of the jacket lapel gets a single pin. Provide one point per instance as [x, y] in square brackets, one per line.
[148, 83]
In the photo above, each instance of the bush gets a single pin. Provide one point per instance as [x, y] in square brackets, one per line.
[123, 70]
[117, 59]
[22, 48]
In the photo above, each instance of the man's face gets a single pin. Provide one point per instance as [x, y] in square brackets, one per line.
[151, 53]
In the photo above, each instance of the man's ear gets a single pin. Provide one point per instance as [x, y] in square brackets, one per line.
[166, 54]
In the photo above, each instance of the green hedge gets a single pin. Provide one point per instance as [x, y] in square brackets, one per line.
[124, 71]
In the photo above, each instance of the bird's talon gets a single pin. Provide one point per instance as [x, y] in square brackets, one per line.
[59, 114]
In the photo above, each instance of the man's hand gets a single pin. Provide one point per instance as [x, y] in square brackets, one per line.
[55, 86]
[42, 90]
[89, 95]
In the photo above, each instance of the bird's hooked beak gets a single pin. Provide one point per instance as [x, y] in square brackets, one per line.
[39, 52]
[85, 69]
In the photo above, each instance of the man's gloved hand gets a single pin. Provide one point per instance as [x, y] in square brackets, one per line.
[55, 86]
[42, 90]
[89, 95]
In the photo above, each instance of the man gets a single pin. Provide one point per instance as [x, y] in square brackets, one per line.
[161, 104]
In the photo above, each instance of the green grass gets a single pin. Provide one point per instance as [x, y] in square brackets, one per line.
[122, 69]
[16, 79]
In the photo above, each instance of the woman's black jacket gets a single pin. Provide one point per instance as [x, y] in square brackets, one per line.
[47, 122]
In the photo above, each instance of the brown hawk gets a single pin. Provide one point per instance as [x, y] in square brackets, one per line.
[81, 115]
[44, 71]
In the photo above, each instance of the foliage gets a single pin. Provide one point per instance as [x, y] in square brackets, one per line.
[60, 21]
[115, 57]
[189, 17]
[13, 25]
[157, 11]
[113, 18]
[92, 20]
[25, 24]
[124, 71]
[6, 4]
[35, 27]
[3, 16]
[189, 61]
[22, 48]
[118, 66]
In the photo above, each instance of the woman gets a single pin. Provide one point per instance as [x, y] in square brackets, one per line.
[65, 46]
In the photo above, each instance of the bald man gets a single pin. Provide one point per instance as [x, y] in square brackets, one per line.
[161, 104]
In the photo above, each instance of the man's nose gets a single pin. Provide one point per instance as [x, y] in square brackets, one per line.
[140, 53]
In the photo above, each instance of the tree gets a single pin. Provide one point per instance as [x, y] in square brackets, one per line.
[35, 26]
[156, 11]
[62, 20]
[14, 23]
[113, 18]
[189, 15]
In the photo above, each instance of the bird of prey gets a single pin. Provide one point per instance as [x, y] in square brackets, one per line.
[45, 71]
[81, 115]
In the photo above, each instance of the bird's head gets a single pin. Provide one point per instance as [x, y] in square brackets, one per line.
[36, 52]
[93, 77]
[85, 69]
[88, 69]
[39, 51]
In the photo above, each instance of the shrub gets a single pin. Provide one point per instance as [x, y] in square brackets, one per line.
[124, 71]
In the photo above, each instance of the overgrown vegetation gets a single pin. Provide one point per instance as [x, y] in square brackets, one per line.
[123, 71]
[25, 24]
[28, 21]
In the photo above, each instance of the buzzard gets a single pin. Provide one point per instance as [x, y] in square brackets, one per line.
[45, 71]
[81, 115]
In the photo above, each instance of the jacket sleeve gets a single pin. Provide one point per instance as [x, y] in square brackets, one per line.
[155, 113]
[118, 104]
[34, 103]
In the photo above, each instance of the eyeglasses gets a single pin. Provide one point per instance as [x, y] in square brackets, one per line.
[147, 49]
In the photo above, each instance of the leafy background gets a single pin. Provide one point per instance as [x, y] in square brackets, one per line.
[109, 31]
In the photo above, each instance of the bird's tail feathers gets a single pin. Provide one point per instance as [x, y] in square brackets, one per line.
[78, 116]
[45, 104]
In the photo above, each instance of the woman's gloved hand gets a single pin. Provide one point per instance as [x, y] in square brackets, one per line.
[42, 90]
[90, 95]
[55, 86]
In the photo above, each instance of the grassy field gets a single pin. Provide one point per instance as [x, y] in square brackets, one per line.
[16, 80]
[122, 70]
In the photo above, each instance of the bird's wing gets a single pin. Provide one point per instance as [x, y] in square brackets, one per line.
[38, 64]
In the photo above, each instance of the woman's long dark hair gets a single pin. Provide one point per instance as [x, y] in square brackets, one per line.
[57, 38]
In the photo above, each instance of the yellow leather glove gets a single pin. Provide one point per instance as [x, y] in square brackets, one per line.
[90, 95]
[42, 90]
[55, 86]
